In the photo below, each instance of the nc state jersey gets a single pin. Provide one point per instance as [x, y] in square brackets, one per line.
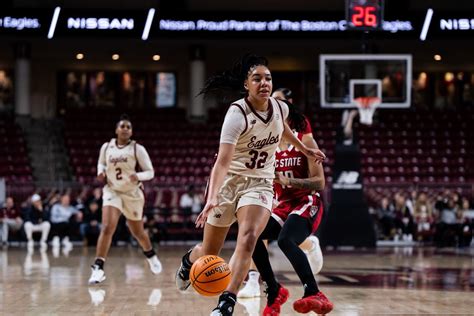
[293, 164]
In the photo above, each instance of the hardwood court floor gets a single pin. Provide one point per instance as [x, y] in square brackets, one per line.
[386, 281]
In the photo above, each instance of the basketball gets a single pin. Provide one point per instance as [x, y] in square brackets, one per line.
[210, 275]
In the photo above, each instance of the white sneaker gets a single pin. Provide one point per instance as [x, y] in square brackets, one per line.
[315, 255]
[97, 296]
[251, 305]
[250, 290]
[97, 276]
[30, 245]
[155, 264]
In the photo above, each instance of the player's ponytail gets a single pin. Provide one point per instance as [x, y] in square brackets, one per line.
[296, 120]
[232, 80]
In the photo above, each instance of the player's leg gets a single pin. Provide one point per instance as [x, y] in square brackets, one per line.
[277, 295]
[213, 240]
[137, 230]
[252, 220]
[110, 219]
[294, 232]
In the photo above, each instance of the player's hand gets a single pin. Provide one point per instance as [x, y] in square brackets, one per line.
[281, 179]
[202, 217]
[133, 178]
[101, 177]
[315, 154]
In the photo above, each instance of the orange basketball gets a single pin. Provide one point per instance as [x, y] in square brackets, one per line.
[210, 275]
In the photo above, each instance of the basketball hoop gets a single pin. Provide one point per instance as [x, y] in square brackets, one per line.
[366, 107]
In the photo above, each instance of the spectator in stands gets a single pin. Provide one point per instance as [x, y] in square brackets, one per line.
[10, 219]
[186, 202]
[442, 201]
[61, 217]
[90, 227]
[53, 197]
[36, 219]
[404, 219]
[386, 218]
[465, 216]
[411, 200]
[446, 228]
[424, 217]
[190, 203]
[96, 196]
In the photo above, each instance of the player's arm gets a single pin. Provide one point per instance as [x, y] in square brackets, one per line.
[147, 172]
[315, 182]
[234, 125]
[102, 163]
[288, 136]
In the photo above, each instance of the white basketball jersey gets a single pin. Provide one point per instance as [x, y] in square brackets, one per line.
[120, 164]
[255, 149]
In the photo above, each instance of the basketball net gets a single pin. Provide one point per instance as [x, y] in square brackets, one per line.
[366, 107]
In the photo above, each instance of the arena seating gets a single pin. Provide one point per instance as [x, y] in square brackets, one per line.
[15, 165]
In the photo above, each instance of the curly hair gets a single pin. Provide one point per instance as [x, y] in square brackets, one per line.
[233, 79]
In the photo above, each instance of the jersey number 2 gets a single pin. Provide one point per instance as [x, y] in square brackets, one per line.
[257, 159]
[118, 175]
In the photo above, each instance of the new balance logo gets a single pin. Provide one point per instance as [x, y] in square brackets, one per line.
[217, 215]
[348, 180]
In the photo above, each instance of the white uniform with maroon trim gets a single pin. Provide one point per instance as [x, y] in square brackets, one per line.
[252, 169]
[119, 163]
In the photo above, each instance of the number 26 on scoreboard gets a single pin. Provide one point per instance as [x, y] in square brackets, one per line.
[364, 14]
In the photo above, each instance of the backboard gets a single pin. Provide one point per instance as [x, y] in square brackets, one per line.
[344, 78]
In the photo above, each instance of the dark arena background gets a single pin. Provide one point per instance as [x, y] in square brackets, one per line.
[387, 86]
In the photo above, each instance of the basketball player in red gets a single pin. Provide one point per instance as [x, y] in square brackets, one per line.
[297, 215]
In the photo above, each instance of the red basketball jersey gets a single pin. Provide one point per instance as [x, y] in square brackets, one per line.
[293, 164]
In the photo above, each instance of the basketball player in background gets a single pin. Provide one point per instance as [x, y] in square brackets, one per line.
[299, 123]
[119, 159]
[241, 182]
[296, 216]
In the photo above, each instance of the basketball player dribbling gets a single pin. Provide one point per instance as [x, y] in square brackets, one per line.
[310, 246]
[123, 194]
[241, 182]
[296, 216]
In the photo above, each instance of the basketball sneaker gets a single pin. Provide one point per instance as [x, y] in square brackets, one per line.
[275, 300]
[315, 256]
[182, 274]
[97, 276]
[317, 303]
[155, 264]
[252, 287]
[226, 305]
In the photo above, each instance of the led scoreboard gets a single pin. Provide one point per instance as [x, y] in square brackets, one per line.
[364, 15]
